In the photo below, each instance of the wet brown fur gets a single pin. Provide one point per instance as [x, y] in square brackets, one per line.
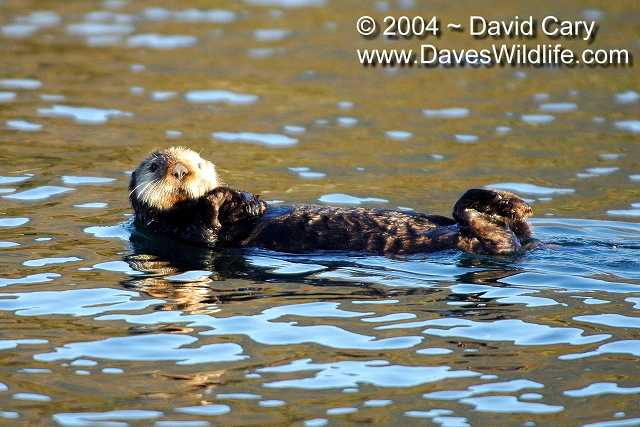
[309, 228]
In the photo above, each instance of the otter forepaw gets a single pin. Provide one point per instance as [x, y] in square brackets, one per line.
[486, 234]
[231, 207]
[502, 206]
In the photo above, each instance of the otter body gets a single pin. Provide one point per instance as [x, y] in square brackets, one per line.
[309, 228]
[193, 205]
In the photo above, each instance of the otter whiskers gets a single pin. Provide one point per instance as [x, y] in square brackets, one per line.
[144, 195]
[137, 186]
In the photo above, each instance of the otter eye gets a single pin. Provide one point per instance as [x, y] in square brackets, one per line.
[153, 167]
[199, 165]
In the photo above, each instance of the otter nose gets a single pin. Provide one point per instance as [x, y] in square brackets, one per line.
[180, 170]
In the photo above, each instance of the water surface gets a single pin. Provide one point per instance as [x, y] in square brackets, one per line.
[102, 327]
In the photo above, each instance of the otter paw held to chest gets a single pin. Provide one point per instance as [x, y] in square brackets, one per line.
[492, 222]
[230, 206]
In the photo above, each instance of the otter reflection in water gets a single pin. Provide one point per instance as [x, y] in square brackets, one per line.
[160, 258]
[218, 277]
[177, 193]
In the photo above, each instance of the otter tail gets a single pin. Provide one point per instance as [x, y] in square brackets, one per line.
[492, 222]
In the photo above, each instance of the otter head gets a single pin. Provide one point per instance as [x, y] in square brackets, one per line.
[171, 176]
[503, 206]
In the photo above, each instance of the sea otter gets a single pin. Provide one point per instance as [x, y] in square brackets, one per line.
[178, 193]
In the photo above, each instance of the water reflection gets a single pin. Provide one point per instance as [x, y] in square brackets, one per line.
[83, 115]
[147, 347]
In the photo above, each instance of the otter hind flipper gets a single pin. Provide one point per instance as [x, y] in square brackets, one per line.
[492, 222]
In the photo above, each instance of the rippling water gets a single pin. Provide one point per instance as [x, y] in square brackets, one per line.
[102, 326]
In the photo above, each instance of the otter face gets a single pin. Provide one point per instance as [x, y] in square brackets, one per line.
[171, 176]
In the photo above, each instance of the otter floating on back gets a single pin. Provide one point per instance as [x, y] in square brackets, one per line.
[176, 192]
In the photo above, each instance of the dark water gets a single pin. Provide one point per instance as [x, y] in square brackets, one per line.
[101, 328]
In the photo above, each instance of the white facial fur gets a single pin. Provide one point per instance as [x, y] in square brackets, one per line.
[157, 187]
